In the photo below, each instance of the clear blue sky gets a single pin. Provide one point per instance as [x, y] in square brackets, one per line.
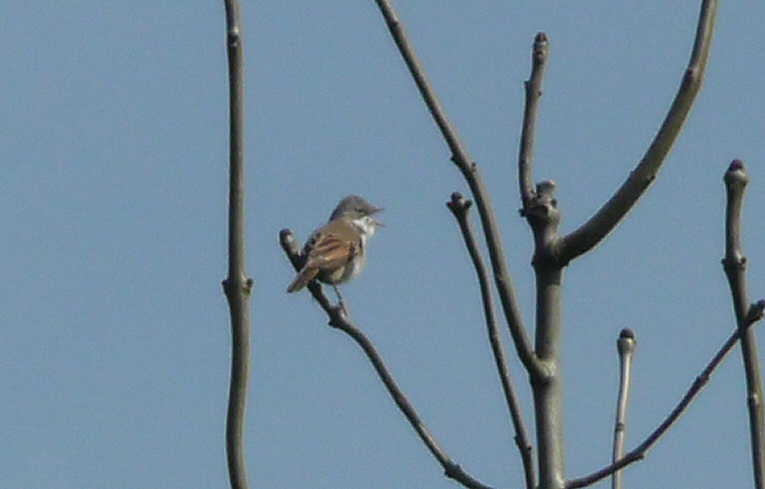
[114, 337]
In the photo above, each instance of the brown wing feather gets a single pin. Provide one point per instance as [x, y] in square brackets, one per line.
[330, 252]
[330, 247]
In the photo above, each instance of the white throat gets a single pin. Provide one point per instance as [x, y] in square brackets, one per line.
[366, 225]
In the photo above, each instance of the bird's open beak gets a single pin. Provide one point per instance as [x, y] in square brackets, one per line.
[375, 211]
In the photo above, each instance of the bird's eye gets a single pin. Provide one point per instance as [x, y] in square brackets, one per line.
[359, 210]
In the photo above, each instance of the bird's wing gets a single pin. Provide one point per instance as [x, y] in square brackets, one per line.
[330, 250]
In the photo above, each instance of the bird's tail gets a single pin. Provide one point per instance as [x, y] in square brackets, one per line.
[302, 279]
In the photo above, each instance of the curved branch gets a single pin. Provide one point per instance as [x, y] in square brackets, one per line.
[460, 208]
[533, 91]
[754, 314]
[338, 319]
[734, 265]
[589, 234]
[236, 286]
[472, 176]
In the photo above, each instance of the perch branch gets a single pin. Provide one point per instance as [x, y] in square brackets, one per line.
[533, 91]
[734, 265]
[472, 176]
[753, 315]
[588, 235]
[460, 208]
[626, 346]
[338, 319]
[236, 285]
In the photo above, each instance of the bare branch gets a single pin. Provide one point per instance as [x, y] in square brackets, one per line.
[588, 235]
[626, 345]
[236, 286]
[543, 217]
[533, 92]
[734, 265]
[472, 176]
[754, 314]
[338, 319]
[460, 208]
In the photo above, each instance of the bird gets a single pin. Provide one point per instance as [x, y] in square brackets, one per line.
[335, 253]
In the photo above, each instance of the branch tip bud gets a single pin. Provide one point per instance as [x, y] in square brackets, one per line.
[736, 173]
[626, 342]
[546, 188]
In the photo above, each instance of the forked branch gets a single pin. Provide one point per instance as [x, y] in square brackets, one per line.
[734, 265]
[754, 314]
[460, 208]
[589, 234]
[338, 319]
[470, 171]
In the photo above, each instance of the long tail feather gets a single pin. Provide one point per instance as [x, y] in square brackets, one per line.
[302, 279]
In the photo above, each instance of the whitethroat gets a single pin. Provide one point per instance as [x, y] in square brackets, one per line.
[335, 253]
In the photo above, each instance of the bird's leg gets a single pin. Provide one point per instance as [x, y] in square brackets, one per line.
[340, 301]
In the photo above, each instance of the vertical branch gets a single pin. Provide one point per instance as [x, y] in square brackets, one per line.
[734, 265]
[543, 217]
[236, 285]
[533, 92]
[626, 346]
[460, 208]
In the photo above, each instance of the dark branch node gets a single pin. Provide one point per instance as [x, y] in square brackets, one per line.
[755, 312]
[230, 287]
[626, 342]
[234, 39]
[452, 469]
[542, 208]
[459, 205]
[291, 248]
[736, 164]
[286, 238]
[627, 333]
[734, 262]
[700, 380]
[753, 401]
[541, 47]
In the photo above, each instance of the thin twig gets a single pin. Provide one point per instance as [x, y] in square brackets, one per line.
[338, 319]
[638, 453]
[533, 91]
[472, 175]
[626, 346]
[589, 234]
[460, 208]
[734, 265]
[237, 285]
